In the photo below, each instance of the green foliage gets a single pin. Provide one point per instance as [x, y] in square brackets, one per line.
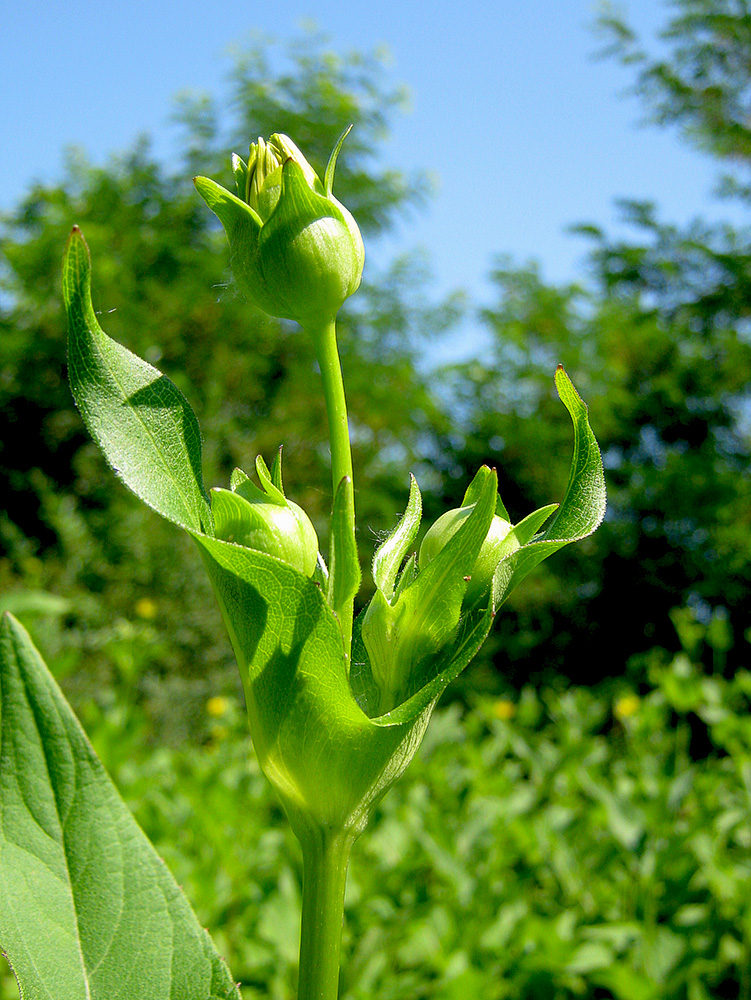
[592, 844]
[87, 908]
[699, 80]
[143, 424]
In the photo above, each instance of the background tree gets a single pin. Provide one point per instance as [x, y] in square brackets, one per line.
[660, 344]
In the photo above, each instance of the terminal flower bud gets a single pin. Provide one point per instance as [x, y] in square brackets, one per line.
[296, 251]
[265, 520]
[491, 551]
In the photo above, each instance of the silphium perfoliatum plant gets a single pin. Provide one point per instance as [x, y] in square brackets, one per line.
[336, 707]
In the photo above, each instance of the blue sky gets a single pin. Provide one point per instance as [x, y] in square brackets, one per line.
[523, 129]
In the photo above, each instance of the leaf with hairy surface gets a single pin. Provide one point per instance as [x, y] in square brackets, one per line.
[88, 911]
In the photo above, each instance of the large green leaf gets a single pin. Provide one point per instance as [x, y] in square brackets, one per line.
[88, 911]
[140, 420]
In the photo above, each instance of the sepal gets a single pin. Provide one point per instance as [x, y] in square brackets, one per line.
[390, 554]
[309, 258]
[404, 637]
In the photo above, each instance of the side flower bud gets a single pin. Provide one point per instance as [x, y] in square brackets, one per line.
[481, 574]
[296, 251]
[414, 615]
[265, 520]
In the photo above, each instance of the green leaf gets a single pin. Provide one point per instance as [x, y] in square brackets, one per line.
[272, 491]
[430, 607]
[276, 471]
[239, 478]
[472, 495]
[404, 639]
[88, 911]
[235, 518]
[472, 631]
[237, 217]
[580, 513]
[583, 506]
[140, 420]
[407, 576]
[240, 172]
[528, 527]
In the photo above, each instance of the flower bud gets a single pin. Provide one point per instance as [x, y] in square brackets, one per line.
[265, 520]
[295, 250]
[488, 558]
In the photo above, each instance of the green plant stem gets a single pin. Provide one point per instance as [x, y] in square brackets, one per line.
[324, 340]
[325, 859]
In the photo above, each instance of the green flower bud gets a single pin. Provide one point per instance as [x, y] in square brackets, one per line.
[414, 615]
[265, 520]
[295, 250]
[488, 558]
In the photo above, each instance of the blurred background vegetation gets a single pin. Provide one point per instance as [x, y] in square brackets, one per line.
[577, 824]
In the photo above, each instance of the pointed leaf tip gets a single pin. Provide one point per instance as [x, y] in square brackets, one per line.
[141, 421]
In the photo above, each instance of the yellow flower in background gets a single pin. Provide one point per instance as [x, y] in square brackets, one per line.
[217, 706]
[146, 607]
[626, 706]
[504, 709]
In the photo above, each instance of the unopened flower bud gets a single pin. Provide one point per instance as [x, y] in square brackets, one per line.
[265, 520]
[488, 558]
[295, 250]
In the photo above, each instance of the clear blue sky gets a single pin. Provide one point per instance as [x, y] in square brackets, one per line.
[524, 130]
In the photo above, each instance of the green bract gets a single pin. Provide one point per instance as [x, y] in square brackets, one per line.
[264, 519]
[414, 616]
[295, 250]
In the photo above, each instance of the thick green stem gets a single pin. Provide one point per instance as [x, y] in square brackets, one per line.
[325, 860]
[324, 340]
